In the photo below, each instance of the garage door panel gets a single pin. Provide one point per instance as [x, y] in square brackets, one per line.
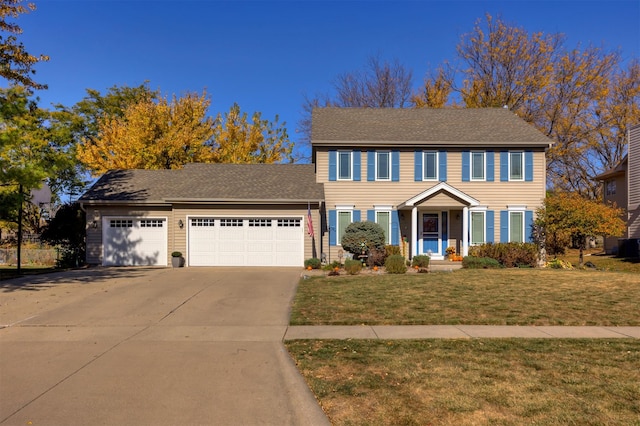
[134, 242]
[250, 242]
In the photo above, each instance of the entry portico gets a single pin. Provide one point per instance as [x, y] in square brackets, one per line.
[435, 220]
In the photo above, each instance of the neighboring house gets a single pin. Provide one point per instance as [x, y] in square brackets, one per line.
[215, 214]
[435, 177]
[621, 185]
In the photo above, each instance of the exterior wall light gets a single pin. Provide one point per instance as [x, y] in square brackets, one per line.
[181, 224]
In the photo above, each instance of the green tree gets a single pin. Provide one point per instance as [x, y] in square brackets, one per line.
[16, 64]
[577, 217]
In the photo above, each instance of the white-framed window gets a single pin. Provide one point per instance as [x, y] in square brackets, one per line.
[231, 222]
[478, 227]
[383, 218]
[383, 165]
[430, 165]
[289, 223]
[516, 165]
[344, 218]
[345, 165]
[121, 223]
[516, 226]
[478, 165]
[151, 223]
[260, 223]
[200, 222]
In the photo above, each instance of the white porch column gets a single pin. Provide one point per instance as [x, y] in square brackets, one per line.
[465, 231]
[414, 231]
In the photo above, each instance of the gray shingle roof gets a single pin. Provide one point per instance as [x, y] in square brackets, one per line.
[278, 183]
[444, 127]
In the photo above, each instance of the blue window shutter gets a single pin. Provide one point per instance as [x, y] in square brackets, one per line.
[490, 166]
[504, 166]
[333, 228]
[356, 216]
[466, 166]
[357, 161]
[504, 226]
[490, 220]
[442, 161]
[528, 166]
[333, 165]
[528, 225]
[395, 166]
[371, 165]
[418, 166]
[371, 215]
[395, 228]
[445, 232]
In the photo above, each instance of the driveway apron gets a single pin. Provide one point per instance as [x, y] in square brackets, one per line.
[136, 346]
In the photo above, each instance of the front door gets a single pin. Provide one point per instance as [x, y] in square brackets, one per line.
[433, 230]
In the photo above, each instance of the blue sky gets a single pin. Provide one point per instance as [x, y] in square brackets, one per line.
[266, 55]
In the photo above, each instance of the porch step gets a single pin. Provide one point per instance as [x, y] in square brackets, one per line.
[444, 266]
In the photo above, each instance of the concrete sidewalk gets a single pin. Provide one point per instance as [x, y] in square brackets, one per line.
[391, 332]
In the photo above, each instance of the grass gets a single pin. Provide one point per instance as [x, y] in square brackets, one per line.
[493, 297]
[602, 261]
[8, 272]
[474, 382]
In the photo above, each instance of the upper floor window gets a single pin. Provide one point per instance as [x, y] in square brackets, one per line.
[430, 165]
[345, 165]
[516, 165]
[383, 165]
[478, 165]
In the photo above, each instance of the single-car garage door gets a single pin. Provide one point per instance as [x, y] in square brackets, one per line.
[237, 241]
[134, 241]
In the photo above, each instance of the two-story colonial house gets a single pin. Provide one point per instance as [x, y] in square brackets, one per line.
[431, 177]
[435, 177]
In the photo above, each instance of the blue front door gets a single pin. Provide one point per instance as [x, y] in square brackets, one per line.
[430, 233]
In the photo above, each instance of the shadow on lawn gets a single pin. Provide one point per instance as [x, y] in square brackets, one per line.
[73, 276]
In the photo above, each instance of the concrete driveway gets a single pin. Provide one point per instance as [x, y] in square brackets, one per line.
[136, 346]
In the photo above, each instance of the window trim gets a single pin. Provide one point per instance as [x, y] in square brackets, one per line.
[522, 166]
[522, 211]
[387, 232]
[482, 211]
[342, 209]
[389, 166]
[472, 168]
[339, 167]
[436, 167]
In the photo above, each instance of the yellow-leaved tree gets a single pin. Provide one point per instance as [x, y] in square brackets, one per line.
[578, 218]
[239, 141]
[152, 134]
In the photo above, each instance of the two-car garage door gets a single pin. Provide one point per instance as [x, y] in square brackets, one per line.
[241, 241]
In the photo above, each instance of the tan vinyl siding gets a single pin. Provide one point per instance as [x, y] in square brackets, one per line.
[633, 173]
[495, 195]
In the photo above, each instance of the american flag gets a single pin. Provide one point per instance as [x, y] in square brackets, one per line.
[309, 221]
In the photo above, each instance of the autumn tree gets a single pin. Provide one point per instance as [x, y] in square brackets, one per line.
[239, 141]
[379, 84]
[16, 64]
[582, 98]
[152, 134]
[578, 218]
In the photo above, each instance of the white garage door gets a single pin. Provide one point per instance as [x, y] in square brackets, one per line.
[246, 241]
[134, 241]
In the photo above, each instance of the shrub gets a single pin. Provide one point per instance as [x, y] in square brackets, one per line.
[421, 261]
[559, 264]
[313, 262]
[176, 254]
[390, 250]
[361, 236]
[353, 267]
[508, 254]
[376, 257]
[473, 262]
[395, 264]
[333, 265]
